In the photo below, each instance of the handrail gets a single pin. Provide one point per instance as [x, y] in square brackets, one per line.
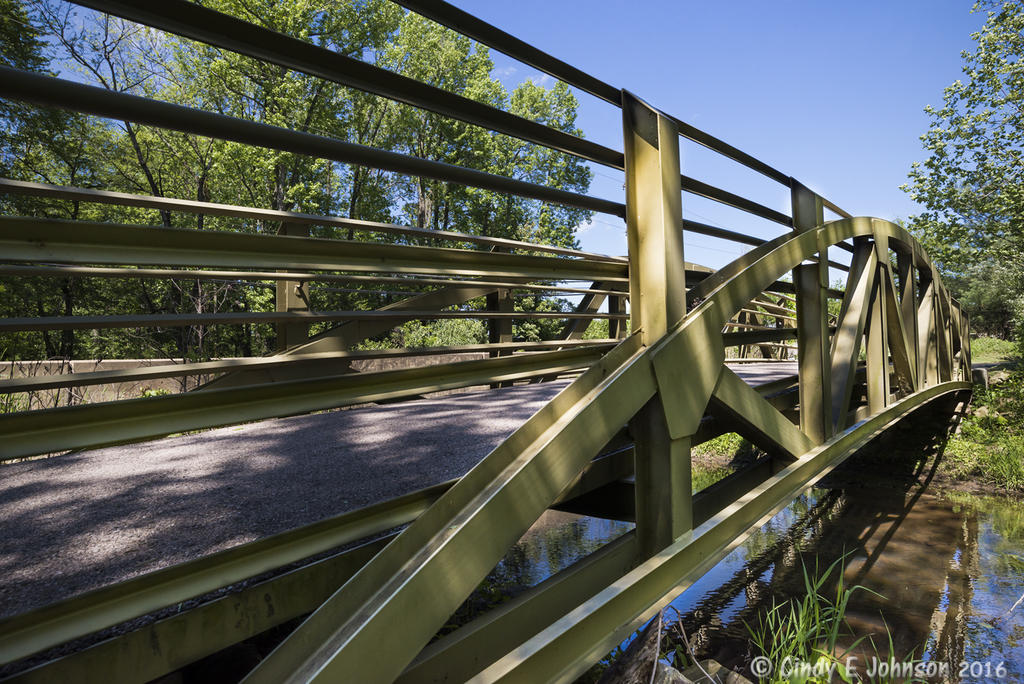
[87, 425]
[215, 28]
[92, 242]
[458, 20]
[213, 209]
[446, 14]
[222, 30]
[86, 378]
[182, 320]
[49, 91]
[122, 272]
[730, 199]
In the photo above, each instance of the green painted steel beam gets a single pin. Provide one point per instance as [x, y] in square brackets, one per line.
[47, 91]
[60, 271]
[574, 329]
[238, 317]
[811, 282]
[657, 302]
[761, 423]
[369, 630]
[352, 332]
[562, 651]
[171, 643]
[467, 24]
[846, 343]
[124, 199]
[84, 242]
[702, 189]
[227, 32]
[90, 425]
[460, 655]
[324, 362]
[721, 233]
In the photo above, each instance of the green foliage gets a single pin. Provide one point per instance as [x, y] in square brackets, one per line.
[809, 629]
[439, 333]
[442, 333]
[990, 445]
[727, 447]
[971, 185]
[597, 330]
[541, 328]
[69, 149]
[986, 349]
[993, 294]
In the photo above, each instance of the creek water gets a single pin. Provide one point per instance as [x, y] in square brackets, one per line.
[942, 570]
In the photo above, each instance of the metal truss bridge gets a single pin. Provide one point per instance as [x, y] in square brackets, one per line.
[609, 432]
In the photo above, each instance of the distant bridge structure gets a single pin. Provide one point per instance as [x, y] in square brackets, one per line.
[615, 441]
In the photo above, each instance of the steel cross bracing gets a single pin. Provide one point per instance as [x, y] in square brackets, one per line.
[615, 442]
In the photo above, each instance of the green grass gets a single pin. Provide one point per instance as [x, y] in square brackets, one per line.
[806, 629]
[726, 448]
[992, 350]
[713, 460]
[990, 445]
[810, 629]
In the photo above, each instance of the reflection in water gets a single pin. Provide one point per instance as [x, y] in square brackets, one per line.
[553, 543]
[944, 570]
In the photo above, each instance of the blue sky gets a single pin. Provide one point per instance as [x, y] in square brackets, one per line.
[829, 92]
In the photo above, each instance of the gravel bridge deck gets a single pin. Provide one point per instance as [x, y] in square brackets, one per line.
[76, 522]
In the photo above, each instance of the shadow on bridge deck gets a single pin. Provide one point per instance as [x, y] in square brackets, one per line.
[76, 522]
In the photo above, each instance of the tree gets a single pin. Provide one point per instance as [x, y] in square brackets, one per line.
[972, 184]
[433, 54]
[65, 148]
[48, 145]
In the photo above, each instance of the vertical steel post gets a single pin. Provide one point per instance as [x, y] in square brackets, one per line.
[957, 320]
[657, 293]
[941, 317]
[877, 351]
[966, 332]
[926, 330]
[292, 296]
[908, 311]
[616, 327]
[811, 281]
[946, 331]
[499, 330]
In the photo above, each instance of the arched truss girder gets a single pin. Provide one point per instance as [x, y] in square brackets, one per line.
[374, 626]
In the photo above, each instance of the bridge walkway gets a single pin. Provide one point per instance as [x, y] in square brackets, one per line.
[103, 516]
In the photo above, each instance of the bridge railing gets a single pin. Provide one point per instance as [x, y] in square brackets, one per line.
[437, 281]
[777, 298]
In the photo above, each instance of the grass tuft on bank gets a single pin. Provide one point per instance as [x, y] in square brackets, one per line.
[990, 444]
[993, 350]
